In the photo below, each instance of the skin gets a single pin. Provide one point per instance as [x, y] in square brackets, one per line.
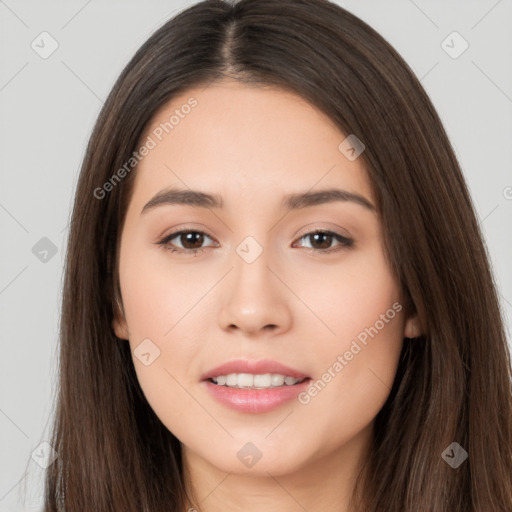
[252, 145]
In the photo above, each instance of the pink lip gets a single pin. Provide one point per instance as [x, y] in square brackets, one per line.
[254, 400]
[255, 367]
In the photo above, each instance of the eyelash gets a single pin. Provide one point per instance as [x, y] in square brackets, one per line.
[344, 241]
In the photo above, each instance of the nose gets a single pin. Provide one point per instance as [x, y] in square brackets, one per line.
[254, 301]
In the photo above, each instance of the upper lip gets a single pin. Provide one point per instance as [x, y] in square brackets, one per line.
[255, 367]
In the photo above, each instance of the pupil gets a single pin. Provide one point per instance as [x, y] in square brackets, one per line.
[189, 237]
[324, 235]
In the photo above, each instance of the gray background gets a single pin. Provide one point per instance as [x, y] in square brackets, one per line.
[48, 107]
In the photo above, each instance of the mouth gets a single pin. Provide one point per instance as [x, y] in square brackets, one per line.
[254, 386]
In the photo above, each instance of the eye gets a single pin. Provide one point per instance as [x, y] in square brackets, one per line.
[191, 241]
[321, 240]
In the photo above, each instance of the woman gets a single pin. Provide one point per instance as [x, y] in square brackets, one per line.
[276, 291]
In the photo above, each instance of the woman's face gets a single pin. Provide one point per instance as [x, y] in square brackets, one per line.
[263, 285]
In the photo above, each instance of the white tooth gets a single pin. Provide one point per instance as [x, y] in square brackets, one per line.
[232, 379]
[248, 380]
[245, 380]
[277, 380]
[263, 381]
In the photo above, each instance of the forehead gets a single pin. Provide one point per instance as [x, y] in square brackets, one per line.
[234, 138]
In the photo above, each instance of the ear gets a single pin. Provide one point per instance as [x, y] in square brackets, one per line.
[412, 328]
[119, 322]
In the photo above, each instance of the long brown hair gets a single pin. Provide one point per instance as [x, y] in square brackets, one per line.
[453, 383]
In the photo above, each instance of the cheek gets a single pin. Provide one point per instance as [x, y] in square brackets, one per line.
[351, 297]
[356, 359]
[159, 307]
[159, 299]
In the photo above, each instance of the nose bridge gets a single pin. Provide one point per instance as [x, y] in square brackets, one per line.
[252, 277]
[254, 297]
[250, 249]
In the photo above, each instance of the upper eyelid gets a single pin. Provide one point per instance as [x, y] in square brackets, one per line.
[312, 231]
[201, 231]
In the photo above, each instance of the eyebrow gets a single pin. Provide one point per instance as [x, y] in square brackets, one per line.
[290, 202]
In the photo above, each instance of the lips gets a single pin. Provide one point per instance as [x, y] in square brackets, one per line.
[255, 367]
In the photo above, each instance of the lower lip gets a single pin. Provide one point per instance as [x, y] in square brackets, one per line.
[255, 400]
